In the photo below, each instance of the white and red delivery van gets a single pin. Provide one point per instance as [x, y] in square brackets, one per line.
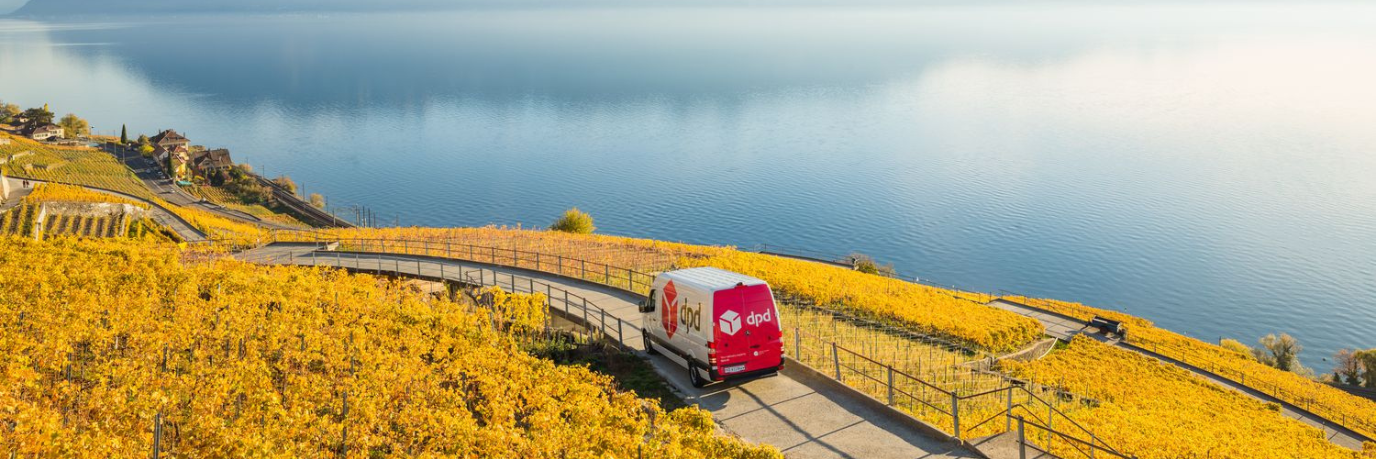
[718, 324]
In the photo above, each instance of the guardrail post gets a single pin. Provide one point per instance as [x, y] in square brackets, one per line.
[620, 338]
[836, 360]
[603, 328]
[157, 436]
[955, 414]
[1008, 419]
[797, 344]
[890, 384]
[1022, 440]
[585, 313]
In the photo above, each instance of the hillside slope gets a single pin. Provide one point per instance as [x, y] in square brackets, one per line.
[102, 341]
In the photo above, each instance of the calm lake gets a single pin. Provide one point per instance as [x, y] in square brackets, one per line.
[1211, 168]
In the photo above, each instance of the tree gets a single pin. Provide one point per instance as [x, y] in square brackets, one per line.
[146, 149]
[8, 112]
[1281, 352]
[123, 134]
[317, 200]
[143, 140]
[38, 116]
[74, 126]
[285, 182]
[1346, 368]
[574, 221]
[218, 178]
[1367, 359]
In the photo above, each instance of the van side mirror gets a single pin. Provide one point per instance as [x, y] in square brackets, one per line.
[648, 304]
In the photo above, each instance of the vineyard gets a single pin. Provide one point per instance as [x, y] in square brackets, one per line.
[74, 165]
[224, 359]
[865, 354]
[217, 227]
[22, 220]
[1159, 411]
[1354, 412]
[225, 199]
[921, 308]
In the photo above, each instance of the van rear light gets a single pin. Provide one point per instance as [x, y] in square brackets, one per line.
[712, 353]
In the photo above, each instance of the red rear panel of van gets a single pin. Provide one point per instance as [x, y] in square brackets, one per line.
[747, 331]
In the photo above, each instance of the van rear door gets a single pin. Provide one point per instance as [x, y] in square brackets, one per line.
[747, 332]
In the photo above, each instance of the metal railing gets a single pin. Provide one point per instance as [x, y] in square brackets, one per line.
[964, 403]
[1219, 367]
[572, 306]
[589, 271]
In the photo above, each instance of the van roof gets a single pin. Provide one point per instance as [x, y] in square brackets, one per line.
[711, 279]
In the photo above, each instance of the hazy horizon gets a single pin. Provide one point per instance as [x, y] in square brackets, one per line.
[265, 6]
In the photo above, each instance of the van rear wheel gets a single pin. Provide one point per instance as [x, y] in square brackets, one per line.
[649, 346]
[694, 377]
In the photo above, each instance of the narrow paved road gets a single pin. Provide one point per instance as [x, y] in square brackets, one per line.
[156, 180]
[805, 420]
[156, 212]
[1065, 328]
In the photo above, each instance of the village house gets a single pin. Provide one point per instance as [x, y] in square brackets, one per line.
[169, 140]
[181, 156]
[209, 162]
[46, 132]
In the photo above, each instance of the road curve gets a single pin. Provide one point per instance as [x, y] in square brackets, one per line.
[156, 211]
[804, 419]
[157, 182]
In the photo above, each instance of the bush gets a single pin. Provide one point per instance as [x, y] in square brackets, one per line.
[285, 182]
[1238, 347]
[574, 221]
[866, 264]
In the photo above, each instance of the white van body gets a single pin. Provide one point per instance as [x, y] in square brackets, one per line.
[718, 324]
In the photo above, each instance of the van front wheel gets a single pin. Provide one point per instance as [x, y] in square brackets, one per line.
[649, 346]
[694, 377]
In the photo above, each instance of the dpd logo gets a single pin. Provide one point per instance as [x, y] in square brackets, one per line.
[755, 318]
[668, 310]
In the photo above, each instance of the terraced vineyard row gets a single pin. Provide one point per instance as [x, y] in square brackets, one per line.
[226, 359]
[1158, 411]
[81, 226]
[77, 165]
[1356, 413]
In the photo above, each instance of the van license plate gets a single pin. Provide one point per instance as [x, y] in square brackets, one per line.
[734, 369]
